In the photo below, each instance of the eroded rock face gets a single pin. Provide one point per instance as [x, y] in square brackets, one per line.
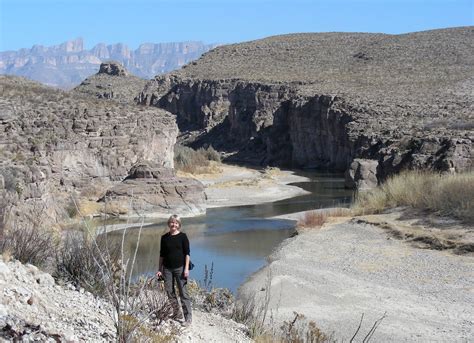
[277, 125]
[56, 146]
[362, 174]
[323, 100]
[156, 192]
[112, 68]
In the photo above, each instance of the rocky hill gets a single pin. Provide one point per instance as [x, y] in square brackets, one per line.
[324, 99]
[112, 81]
[67, 64]
[33, 307]
[60, 149]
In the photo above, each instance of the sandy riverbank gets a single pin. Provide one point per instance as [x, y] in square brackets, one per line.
[226, 186]
[335, 274]
[236, 186]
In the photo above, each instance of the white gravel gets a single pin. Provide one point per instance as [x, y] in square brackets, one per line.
[335, 274]
[32, 303]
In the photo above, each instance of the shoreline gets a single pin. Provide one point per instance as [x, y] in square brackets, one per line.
[348, 267]
[232, 186]
[239, 186]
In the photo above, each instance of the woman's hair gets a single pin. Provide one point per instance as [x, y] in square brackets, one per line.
[175, 217]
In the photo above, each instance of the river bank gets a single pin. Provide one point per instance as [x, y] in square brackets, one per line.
[226, 186]
[350, 267]
[232, 185]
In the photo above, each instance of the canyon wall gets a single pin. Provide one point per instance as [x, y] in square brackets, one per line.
[323, 100]
[274, 124]
[59, 149]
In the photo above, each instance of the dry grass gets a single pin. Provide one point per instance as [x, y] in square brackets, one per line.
[316, 219]
[87, 207]
[113, 208]
[195, 161]
[451, 195]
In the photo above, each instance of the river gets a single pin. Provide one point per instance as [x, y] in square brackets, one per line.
[233, 242]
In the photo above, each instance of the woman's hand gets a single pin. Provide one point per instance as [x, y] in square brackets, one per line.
[186, 273]
[159, 274]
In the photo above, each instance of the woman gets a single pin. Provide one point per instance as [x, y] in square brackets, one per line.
[174, 266]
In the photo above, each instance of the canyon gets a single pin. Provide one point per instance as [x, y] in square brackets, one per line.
[366, 104]
[323, 100]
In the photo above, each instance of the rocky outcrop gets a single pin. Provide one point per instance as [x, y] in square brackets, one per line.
[362, 174]
[323, 100]
[56, 147]
[112, 68]
[33, 307]
[156, 192]
[68, 64]
[112, 82]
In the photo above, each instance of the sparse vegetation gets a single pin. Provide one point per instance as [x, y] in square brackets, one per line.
[77, 262]
[317, 218]
[29, 241]
[194, 161]
[451, 195]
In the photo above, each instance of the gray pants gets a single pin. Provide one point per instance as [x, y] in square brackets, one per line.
[170, 276]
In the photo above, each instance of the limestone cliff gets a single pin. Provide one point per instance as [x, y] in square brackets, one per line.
[322, 100]
[68, 64]
[56, 147]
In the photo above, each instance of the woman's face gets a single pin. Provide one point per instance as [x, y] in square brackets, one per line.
[173, 225]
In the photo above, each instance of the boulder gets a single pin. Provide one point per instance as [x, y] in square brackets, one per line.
[362, 174]
[153, 191]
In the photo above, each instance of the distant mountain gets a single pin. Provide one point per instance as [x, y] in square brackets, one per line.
[66, 65]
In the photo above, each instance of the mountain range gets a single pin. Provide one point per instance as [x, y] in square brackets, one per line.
[66, 65]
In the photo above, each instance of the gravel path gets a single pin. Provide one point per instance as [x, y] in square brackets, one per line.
[335, 274]
[212, 328]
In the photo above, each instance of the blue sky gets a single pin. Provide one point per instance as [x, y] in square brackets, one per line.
[24, 23]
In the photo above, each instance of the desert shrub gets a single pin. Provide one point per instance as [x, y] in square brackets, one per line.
[211, 154]
[82, 260]
[194, 161]
[188, 160]
[299, 330]
[252, 314]
[451, 194]
[153, 300]
[29, 243]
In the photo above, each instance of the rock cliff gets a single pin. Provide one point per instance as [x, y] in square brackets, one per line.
[68, 64]
[322, 100]
[56, 147]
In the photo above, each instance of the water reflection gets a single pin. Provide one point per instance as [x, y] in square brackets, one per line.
[236, 240]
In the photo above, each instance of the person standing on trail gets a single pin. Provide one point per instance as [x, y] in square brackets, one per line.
[174, 267]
